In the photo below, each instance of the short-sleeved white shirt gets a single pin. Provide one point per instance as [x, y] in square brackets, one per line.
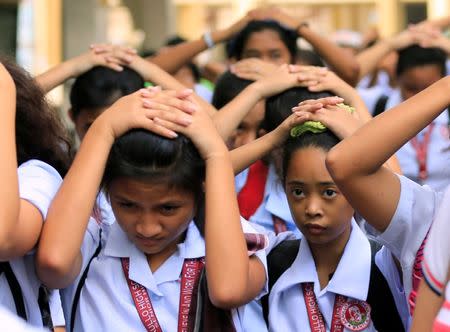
[412, 219]
[106, 303]
[351, 279]
[436, 261]
[38, 184]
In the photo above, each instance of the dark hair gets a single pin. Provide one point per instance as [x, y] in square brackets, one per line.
[324, 141]
[279, 107]
[310, 58]
[144, 155]
[40, 133]
[227, 87]
[101, 87]
[287, 36]
[416, 56]
[175, 40]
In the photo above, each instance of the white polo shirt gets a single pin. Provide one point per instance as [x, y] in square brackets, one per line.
[286, 301]
[412, 219]
[38, 184]
[106, 303]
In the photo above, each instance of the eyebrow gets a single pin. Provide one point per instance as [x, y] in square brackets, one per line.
[300, 183]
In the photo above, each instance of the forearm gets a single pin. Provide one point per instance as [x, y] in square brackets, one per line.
[339, 61]
[55, 76]
[9, 195]
[227, 263]
[153, 73]
[60, 243]
[230, 116]
[175, 57]
[244, 156]
[386, 133]
[369, 58]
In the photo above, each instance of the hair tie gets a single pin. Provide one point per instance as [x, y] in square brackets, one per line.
[316, 127]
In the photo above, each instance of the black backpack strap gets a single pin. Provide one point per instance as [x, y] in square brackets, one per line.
[76, 298]
[384, 312]
[15, 288]
[44, 307]
[278, 261]
[380, 105]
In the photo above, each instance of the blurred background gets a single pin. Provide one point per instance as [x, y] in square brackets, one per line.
[42, 33]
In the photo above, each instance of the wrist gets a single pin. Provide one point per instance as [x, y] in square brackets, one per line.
[101, 131]
[218, 36]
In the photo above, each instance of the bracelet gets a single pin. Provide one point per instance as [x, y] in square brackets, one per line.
[301, 25]
[208, 39]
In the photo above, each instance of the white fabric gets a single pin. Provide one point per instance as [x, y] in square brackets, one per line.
[38, 184]
[106, 303]
[351, 278]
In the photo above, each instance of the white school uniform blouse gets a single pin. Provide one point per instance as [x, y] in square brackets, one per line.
[38, 184]
[436, 261]
[11, 323]
[274, 202]
[412, 219]
[286, 301]
[106, 303]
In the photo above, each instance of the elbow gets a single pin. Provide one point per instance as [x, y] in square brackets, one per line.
[336, 165]
[226, 299]
[352, 76]
[53, 269]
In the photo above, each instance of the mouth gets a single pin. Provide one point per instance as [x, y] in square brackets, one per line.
[315, 229]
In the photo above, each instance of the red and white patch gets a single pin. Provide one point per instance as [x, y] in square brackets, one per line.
[355, 315]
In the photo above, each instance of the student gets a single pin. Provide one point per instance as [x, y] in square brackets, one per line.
[398, 211]
[154, 181]
[35, 155]
[272, 35]
[432, 308]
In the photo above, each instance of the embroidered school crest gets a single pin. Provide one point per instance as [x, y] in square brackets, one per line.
[355, 315]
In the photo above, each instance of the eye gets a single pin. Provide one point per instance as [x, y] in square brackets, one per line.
[330, 193]
[126, 205]
[169, 209]
[297, 193]
[275, 55]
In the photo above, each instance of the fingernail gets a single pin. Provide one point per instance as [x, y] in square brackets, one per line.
[187, 121]
[173, 134]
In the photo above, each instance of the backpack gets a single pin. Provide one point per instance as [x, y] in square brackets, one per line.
[384, 312]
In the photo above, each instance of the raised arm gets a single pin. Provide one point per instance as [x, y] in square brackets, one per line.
[175, 57]
[356, 163]
[98, 55]
[59, 257]
[344, 64]
[9, 196]
[369, 58]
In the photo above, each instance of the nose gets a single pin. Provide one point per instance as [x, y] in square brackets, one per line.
[313, 207]
[148, 225]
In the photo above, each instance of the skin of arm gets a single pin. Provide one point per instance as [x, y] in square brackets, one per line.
[233, 278]
[373, 190]
[98, 55]
[175, 57]
[369, 58]
[59, 257]
[344, 64]
[427, 307]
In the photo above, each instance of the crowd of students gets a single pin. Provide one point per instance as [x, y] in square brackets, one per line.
[294, 196]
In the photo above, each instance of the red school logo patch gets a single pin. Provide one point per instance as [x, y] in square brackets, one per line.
[355, 315]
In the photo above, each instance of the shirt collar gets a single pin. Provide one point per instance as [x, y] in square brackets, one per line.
[118, 245]
[352, 275]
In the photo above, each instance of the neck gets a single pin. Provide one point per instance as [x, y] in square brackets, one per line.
[327, 255]
[157, 259]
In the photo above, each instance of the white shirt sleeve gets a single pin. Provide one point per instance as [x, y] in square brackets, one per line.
[437, 249]
[409, 225]
[38, 184]
[56, 310]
